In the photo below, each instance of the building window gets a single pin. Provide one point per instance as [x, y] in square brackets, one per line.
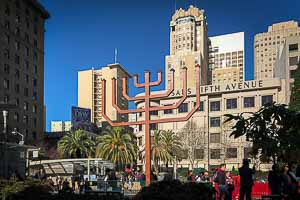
[17, 31]
[18, 18]
[168, 111]
[247, 151]
[26, 37]
[183, 108]
[26, 51]
[34, 122]
[35, 43]
[35, 56]
[215, 121]
[6, 68]
[6, 84]
[34, 109]
[231, 103]
[25, 119]
[17, 45]
[6, 53]
[140, 127]
[17, 102]
[34, 83]
[231, 153]
[17, 74]
[26, 92]
[154, 112]
[25, 106]
[34, 135]
[34, 95]
[199, 153]
[7, 10]
[215, 106]
[26, 78]
[140, 141]
[153, 126]
[201, 107]
[17, 59]
[16, 116]
[35, 69]
[266, 100]
[215, 138]
[293, 47]
[6, 99]
[17, 88]
[6, 39]
[293, 60]
[215, 153]
[249, 102]
[7, 25]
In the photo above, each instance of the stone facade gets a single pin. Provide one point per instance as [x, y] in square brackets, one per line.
[22, 66]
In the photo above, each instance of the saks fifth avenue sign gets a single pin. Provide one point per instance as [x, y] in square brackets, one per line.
[226, 87]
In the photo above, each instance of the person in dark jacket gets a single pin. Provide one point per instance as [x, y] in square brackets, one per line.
[274, 179]
[221, 180]
[246, 175]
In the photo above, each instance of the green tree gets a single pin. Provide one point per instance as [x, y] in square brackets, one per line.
[76, 144]
[117, 145]
[274, 131]
[295, 96]
[164, 146]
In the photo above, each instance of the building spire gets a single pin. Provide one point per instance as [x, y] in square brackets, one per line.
[116, 54]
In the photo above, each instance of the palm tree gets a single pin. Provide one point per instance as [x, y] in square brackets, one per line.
[116, 145]
[164, 146]
[76, 144]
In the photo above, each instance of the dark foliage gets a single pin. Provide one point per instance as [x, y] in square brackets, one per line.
[175, 190]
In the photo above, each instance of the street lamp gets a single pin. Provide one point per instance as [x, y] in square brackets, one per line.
[15, 132]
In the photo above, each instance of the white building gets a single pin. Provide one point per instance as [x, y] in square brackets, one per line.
[227, 57]
[61, 126]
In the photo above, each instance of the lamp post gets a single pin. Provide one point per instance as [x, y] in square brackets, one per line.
[15, 132]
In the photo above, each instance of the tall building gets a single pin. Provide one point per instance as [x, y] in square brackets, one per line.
[287, 61]
[188, 46]
[230, 96]
[266, 46]
[227, 58]
[90, 92]
[22, 65]
[61, 126]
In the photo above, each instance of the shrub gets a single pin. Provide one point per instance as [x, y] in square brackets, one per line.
[23, 190]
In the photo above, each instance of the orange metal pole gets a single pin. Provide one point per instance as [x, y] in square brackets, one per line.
[147, 129]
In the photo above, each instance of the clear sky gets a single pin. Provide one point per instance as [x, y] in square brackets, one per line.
[83, 34]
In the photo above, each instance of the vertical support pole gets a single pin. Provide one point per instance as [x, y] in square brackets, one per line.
[88, 169]
[147, 129]
[5, 114]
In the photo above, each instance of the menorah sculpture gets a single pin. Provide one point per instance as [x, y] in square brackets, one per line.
[147, 108]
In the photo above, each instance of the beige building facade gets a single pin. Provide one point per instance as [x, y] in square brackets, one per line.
[227, 58]
[188, 46]
[287, 61]
[22, 28]
[215, 146]
[267, 46]
[90, 92]
[61, 126]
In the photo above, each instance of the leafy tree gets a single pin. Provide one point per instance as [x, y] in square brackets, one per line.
[117, 145]
[192, 138]
[274, 131]
[295, 96]
[164, 146]
[76, 144]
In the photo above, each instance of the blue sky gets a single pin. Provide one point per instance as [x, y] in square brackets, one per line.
[83, 34]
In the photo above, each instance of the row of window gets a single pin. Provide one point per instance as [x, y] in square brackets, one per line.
[249, 102]
[7, 55]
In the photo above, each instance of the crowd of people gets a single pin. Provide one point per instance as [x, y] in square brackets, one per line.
[282, 182]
